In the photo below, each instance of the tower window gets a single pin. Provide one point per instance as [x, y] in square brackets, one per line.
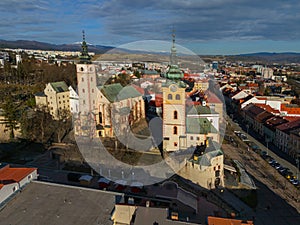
[100, 117]
[91, 79]
[81, 68]
[177, 97]
[82, 79]
[192, 138]
[175, 115]
[170, 96]
[175, 144]
[83, 90]
[93, 90]
[175, 130]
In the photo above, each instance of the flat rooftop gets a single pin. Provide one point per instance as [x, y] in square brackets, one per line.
[41, 203]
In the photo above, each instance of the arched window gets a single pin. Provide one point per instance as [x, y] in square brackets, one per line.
[170, 96]
[175, 115]
[82, 79]
[177, 97]
[175, 130]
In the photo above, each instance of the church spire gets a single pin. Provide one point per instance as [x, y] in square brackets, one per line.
[173, 57]
[84, 57]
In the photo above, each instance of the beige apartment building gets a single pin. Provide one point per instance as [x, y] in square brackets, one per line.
[56, 99]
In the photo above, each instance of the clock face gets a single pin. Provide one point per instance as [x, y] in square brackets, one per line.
[173, 88]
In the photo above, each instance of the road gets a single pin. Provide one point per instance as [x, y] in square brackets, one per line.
[279, 159]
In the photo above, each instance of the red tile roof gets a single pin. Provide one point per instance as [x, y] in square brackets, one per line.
[267, 108]
[14, 174]
[139, 89]
[211, 97]
[226, 221]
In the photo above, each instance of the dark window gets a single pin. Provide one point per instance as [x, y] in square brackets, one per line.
[170, 96]
[174, 130]
[175, 115]
[177, 97]
[100, 117]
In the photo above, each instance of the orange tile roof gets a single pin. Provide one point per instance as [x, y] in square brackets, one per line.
[15, 174]
[1, 186]
[227, 221]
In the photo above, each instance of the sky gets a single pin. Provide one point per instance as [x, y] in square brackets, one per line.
[203, 26]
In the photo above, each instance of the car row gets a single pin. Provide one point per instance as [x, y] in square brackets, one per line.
[282, 170]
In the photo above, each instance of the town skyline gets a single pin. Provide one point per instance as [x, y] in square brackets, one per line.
[218, 27]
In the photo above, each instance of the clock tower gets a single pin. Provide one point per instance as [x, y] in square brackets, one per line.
[174, 118]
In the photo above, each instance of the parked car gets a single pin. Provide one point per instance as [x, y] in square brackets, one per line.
[73, 177]
[271, 161]
[295, 182]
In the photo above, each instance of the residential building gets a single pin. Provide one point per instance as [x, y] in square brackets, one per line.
[56, 98]
[269, 127]
[294, 144]
[283, 133]
[14, 179]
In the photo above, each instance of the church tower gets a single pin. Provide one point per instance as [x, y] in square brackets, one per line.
[86, 81]
[174, 128]
[87, 86]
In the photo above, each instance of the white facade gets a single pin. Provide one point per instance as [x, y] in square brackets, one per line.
[87, 87]
[275, 104]
[7, 190]
[74, 101]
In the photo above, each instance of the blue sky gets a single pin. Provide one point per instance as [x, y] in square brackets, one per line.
[204, 26]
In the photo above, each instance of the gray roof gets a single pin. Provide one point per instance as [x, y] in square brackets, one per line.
[42, 203]
[60, 86]
[40, 94]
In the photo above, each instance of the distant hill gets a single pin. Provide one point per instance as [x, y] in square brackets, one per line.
[24, 44]
[260, 57]
[268, 57]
